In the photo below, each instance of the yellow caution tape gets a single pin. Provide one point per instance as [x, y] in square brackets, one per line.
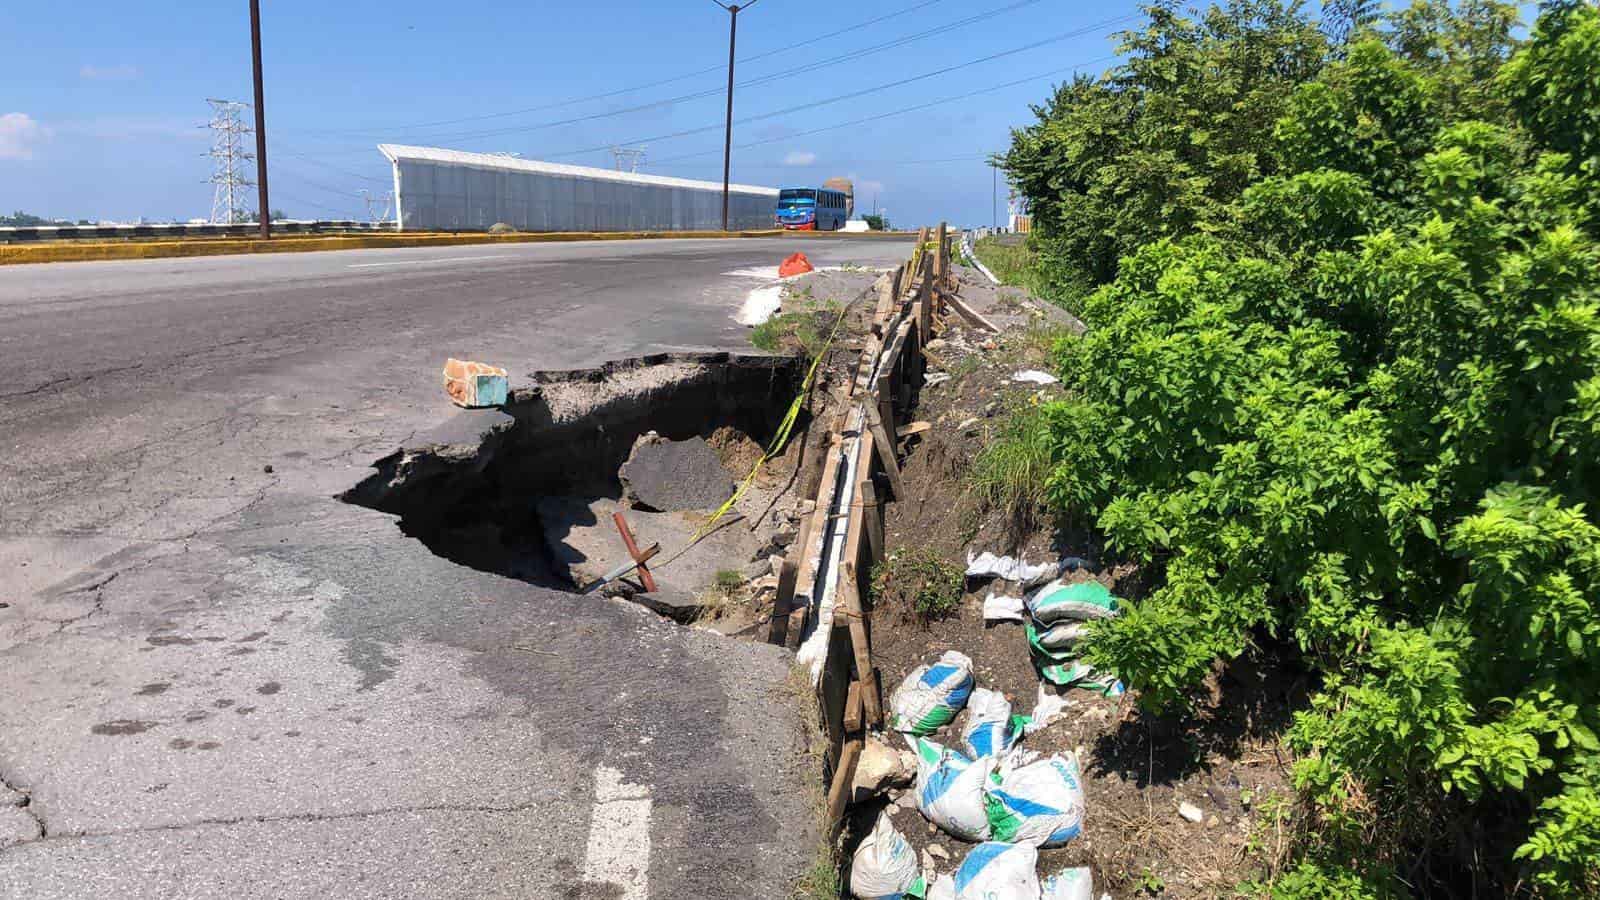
[785, 430]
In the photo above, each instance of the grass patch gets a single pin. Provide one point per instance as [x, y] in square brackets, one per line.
[804, 330]
[916, 578]
[1036, 345]
[1011, 262]
[1010, 472]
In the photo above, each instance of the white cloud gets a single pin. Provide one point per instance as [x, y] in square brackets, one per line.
[19, 133]
[799, 158]
[122, 72]
[866, 188]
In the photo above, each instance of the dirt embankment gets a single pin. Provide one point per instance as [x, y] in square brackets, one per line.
[1227, 762]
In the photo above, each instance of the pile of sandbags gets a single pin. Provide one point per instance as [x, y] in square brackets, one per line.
[1058, 617]
[1005, 798]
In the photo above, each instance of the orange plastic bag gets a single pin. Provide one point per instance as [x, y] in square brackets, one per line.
[796, 264]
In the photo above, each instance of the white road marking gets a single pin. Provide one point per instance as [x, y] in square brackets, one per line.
[619, 835]
[423, 262]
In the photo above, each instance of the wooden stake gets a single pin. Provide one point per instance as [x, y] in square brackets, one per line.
[849, 597]
[843, 774]
[872, 509]
[852, 708]
[885, 447]
[970, 314]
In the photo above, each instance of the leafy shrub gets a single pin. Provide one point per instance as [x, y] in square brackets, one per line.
[1358, 408]
[920, 580]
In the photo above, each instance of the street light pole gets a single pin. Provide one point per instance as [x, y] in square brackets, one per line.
[727, 136]
[261, 121]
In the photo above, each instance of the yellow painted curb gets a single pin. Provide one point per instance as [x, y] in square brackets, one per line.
[84, 251]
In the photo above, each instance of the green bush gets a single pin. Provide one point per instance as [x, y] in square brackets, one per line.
[920, 580]
[1358, 408]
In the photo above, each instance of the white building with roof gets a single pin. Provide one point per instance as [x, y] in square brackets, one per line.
[450, 190]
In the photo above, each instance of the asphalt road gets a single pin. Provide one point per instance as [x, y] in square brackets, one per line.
[220, 682]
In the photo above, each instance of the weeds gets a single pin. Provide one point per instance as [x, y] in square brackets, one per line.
[820, 881]
[1013, 263]
[806, 329]
[1011, 472]
[919, 579]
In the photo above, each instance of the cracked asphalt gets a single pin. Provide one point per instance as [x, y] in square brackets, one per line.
[221, 682]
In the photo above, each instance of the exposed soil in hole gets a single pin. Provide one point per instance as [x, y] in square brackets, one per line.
[523, 491]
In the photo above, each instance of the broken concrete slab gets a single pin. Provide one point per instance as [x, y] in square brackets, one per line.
[584, 543]
[672, 476]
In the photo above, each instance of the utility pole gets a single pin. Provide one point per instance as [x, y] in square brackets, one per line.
[994, 196]
[265, 215]
[727, 137]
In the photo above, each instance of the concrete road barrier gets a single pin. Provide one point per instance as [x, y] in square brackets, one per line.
[159, 249]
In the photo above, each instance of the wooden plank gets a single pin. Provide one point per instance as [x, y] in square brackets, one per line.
[843, 774]
[872, 509]
[925, 296]
[885, 448]
[941, 265]
[849, 598]
[852, 708]
[814, 528]
[970, 314]
[917, 427]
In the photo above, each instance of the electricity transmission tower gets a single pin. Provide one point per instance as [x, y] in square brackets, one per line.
[387, 201]
[629, 159]
[228, 156]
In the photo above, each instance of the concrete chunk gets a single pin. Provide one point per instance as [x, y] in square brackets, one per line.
[673, 476]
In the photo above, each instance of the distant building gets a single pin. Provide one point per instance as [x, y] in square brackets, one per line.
[450, 190]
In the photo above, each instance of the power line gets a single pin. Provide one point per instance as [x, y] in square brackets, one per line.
[1078, 32]
[900, 112]
[764, 79]
[786, 48]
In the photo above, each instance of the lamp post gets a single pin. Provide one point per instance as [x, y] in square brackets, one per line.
[727, 136]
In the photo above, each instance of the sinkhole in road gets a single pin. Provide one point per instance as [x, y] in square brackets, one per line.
[526, 491]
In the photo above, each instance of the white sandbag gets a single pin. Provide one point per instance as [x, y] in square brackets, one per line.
[987, 565]
[1063, 635]
[996, 871]
[1047, 707]
[1058, 602]
[943, 887]
[950, 790]
[990, 729]
[930, 696]
[1069, 884]
[884, 866]
[1040, 803]
[1002, 609]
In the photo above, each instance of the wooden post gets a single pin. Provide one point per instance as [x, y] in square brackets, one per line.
[883, 443]
[925, 298]
[852, 708]
[849, 602]
[872, 509]
[941, 272]
[843, 774]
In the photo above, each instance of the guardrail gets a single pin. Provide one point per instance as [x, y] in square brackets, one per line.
[969, 239]
[34, 233]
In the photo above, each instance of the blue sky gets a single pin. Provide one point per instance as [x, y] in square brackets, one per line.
[102, 110]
